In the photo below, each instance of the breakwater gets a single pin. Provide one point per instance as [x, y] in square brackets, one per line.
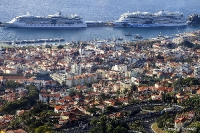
[34, 41]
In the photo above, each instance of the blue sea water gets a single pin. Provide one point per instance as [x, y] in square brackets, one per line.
[90, 10]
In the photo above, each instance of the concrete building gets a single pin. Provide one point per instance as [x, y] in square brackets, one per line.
[76, 69]
[197, 71]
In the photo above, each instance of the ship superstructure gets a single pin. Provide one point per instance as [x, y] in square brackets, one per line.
[51, 21]
[147, 19]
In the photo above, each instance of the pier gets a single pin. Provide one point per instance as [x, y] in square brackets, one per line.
[98, 23]
[33, 41]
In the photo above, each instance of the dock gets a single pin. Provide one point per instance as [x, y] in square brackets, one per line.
[98, 23]
[34, 41]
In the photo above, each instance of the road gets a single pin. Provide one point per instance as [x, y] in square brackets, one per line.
[147, 119]
[147, 124]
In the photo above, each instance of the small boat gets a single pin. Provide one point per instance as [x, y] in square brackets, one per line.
[120, 38]
[137, 36]
[168, 37]
[160, 36]
[128, 34]
[134, 39]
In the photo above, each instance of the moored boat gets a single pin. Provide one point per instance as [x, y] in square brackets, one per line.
[50, 22]
[147, 19]
[128, 34]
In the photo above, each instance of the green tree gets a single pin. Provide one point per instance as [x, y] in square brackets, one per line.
[159, 56]
[187, 43]
[72, 93]
[137, 126]
[60, 46]
[133, 87]
[120, 129]
[12, 84]
[92, 110]
[43, 129]
[103, 124]
[165, 121]
[25, 102]
[106, 125]
[125, 91]
[110, 109]
[48, 46]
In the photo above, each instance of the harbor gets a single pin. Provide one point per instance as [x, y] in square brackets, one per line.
[113, 35]
[134, 19]
[96, 24]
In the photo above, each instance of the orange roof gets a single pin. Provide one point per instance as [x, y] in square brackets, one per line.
[180, 120]
[142, 88]
[58, 107]
[119, 114]
[198, 91]
[168, 89]
[68, 98]
[80, 87]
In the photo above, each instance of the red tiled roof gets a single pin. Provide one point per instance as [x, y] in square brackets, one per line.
[58, 107]
[198, 91]
[68, 98]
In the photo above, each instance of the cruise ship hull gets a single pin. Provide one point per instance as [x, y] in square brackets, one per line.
[149, 25]
[72, 26]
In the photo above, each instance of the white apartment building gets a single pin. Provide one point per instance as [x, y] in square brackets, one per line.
[197, 71]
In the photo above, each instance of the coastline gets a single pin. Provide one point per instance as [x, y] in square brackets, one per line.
[107, 41]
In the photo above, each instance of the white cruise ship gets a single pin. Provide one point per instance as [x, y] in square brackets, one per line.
[147, 19]
[51, 21]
